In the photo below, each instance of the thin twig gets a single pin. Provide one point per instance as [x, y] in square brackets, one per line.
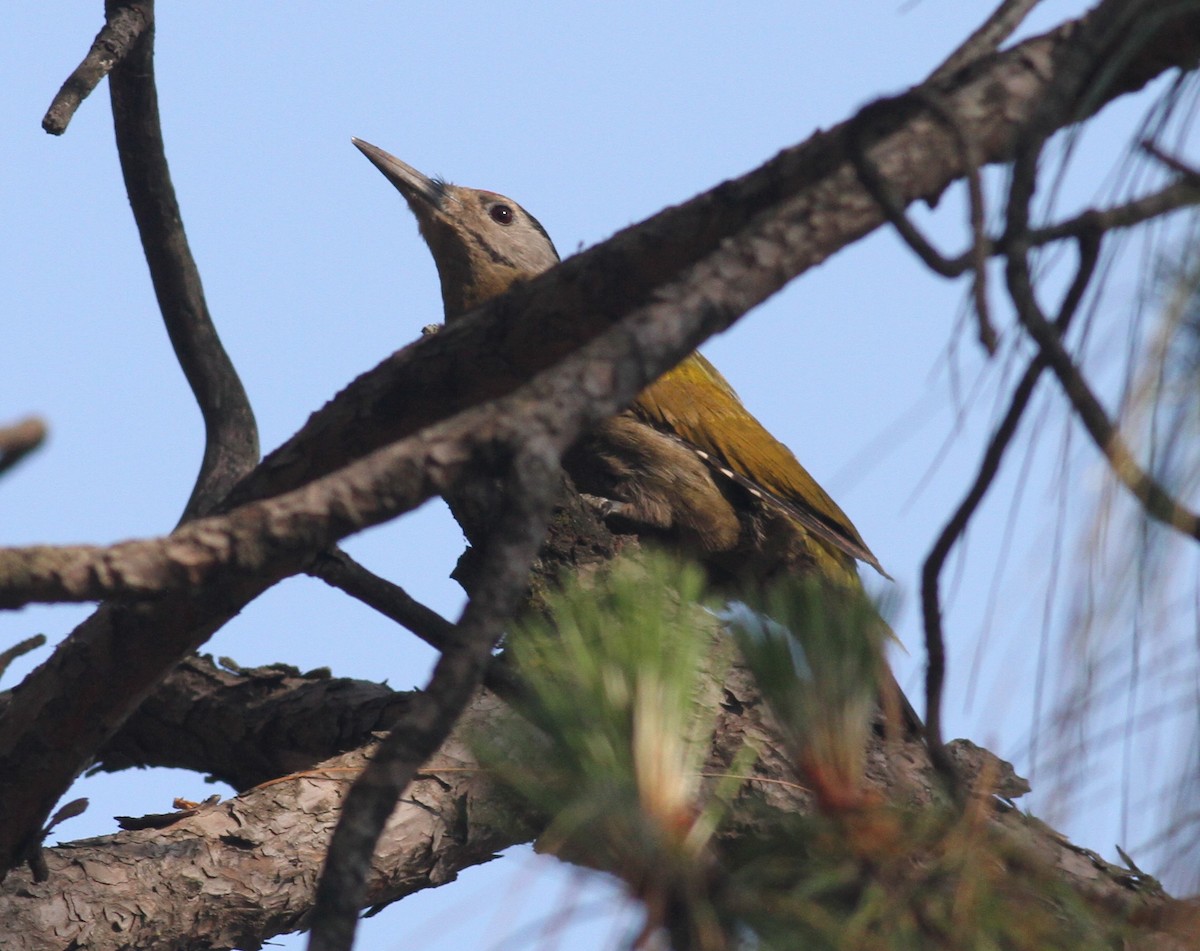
[1157, 501]
[881, 190]
[977, 256]
[338, 569]
[1176, 195]
[125, 23]
[886, 195]
[19, 440]
[1089, 251]
[20, 649]
[1187, 172]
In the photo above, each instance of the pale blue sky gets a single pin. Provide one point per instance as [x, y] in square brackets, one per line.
[592, 116]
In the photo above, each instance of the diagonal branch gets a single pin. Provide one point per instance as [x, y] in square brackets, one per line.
[1154, 497]
[340, 571]
[795, 211]
[19, 440]
[268, 539]
[122, 27]
[20, 649]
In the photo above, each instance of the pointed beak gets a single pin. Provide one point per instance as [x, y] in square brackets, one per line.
[418, 190]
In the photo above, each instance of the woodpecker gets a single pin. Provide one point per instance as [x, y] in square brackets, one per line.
[686, 461]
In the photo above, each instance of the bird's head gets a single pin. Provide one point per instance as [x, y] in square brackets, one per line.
[481, 242]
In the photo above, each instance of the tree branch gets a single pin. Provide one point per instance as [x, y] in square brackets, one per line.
[20, 649]
[269, 539]
[1114, 38]
[340, 571]
[247, 726]
[19, 440]
[526, 500]
[987, 39]
[122, 27]
[976, 258]
[231, 435]
[236, 873]
[1154, 498]
[931, 570]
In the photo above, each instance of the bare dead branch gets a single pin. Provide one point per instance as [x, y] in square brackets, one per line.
[272, 538]
[576, 539]
[1089, 251]
[338, 569]
[1154, 498]
[124, 23]
[231, 435]
[278, 536]
[987, 39]
[1172, 197]
[1103, 39]
[528, 495]
[976, 257]
[1187, 172]
[978, 253]
[891, 202]
[20, 649]
[19, 440]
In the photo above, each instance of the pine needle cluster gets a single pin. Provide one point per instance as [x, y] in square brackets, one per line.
[610, 743]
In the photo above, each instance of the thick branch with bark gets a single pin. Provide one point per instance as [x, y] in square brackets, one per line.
[240, 871]
[247, 726]
[237, 872]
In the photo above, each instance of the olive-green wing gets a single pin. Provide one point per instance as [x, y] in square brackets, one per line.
[698, 405]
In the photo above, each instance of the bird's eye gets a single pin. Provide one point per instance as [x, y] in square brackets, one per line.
[501, 214]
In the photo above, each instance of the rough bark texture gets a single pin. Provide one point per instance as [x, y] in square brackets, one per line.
[240, 871]
[248, 726]
[237, 872]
